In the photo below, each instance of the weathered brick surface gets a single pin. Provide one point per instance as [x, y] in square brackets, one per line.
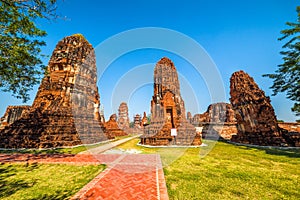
[144, 120]
[65, 111]
[112, 127]
[290, 126]
[12, 114]
[256, 119]
[213, 130]
[123, 117]
[216, 113]
[168, 110]
[291, 132]
[137, 121]
[218, 121]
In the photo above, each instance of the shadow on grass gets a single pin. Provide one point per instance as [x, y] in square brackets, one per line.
[9, 185]
[277, 151]
[58, 196]
[292, 153]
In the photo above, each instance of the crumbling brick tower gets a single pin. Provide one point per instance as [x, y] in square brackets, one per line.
[65, 111]
[256, 119]
[167, 110]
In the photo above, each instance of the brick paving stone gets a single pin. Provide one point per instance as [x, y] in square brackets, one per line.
[132, 176]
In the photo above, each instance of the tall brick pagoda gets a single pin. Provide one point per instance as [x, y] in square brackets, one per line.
[65, 111]
[168, 110]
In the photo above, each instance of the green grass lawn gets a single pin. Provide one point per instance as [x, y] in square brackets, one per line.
[44, 181]
[229, 172]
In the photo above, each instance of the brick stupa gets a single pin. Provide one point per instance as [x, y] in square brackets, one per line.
[65, 111]
[168, 110]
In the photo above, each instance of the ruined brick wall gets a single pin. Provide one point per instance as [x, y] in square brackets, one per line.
[168, 110]
[216, 113]
[291, 132]
[226, 130]
[290, 126]
[65, 110]
[217, 122]
[256, 119]
[123, 117]
[198, 118]
[12, 114]
[220, 112]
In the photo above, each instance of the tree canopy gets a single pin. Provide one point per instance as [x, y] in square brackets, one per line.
[287, 76]
[21, 66]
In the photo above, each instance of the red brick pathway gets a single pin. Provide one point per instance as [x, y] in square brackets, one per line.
[128, 176]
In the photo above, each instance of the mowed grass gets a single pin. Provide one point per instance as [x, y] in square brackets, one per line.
[44, 181]
[229, 172]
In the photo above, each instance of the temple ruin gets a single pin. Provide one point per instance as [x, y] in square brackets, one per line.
[218, 121]
[256, 119]
[113, 128]
[168, 111]
[65, 111]
[217, 113]
[123, 117]
[12, 114]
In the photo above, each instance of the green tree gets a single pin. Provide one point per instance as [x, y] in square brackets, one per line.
[287, 77]
[20, 44]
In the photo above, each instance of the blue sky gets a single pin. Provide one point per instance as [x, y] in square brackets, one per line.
[237, 35]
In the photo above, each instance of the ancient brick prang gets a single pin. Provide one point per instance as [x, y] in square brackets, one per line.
[123, 117]
[65, 111]
[168, 110]
[256, 119]
[112, 127]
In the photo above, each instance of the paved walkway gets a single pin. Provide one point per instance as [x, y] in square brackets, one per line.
[108, 146]
[127, 176]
